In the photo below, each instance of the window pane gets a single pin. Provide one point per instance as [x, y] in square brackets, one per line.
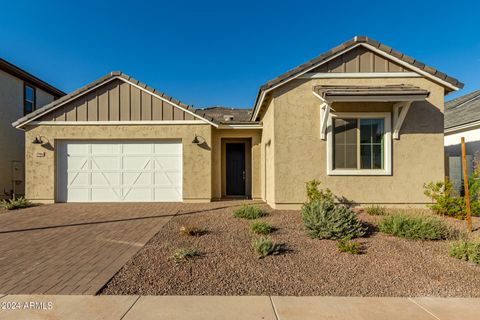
[29, 93]
[377, 130]
[28, 107]
[345, 143]
[371, 143]
[365, 131]
[377, 157]
[365, 157]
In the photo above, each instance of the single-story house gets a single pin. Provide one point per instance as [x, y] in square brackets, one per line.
[462, 119]
[363, 118]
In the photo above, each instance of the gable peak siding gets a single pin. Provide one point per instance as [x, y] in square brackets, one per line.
[117, 100]
[360, 59]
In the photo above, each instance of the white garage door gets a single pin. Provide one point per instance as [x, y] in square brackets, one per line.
[119, 171]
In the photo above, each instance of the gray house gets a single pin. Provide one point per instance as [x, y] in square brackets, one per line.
[20, 94]
[462, 119]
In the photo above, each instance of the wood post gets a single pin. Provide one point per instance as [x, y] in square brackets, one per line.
[465, 185]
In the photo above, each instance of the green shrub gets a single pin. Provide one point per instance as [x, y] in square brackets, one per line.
[314, 193]
[376, 210]
[183, 254]
[346, 245]
[259, 227]
[465, 250]
[192, 231]
[447, 202]
[263, 246]
[17, 203]
[414, 227]
[249, 212]
[324, 220]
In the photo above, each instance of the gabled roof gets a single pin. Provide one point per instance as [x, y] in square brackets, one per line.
[431, 72]
[463, 111]
[25, 76]
[112, 75]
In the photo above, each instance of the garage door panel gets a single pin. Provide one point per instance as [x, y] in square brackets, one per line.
[137, 179]
[107, 171]
[78, 179]
[101, 148]
[106, 162]
[77, 162]
[136, 162]
[77, 149]
[106, 178]
[163, 194]
[168, 162]
[106, 194]
[137, 148]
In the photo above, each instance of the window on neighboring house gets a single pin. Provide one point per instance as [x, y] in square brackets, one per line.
[359, 144]
[28, 99]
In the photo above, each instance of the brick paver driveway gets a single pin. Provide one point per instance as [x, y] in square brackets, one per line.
[75, 248]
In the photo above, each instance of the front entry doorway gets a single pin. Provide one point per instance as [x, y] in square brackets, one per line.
[236, 174]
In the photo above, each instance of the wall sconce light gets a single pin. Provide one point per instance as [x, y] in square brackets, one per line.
[195, 140]
[37, 140]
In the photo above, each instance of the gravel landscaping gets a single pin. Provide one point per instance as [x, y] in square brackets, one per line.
[227, 264]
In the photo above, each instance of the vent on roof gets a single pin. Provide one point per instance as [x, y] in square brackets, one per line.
[228, 117]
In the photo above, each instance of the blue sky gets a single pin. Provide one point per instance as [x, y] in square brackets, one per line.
[219, 52]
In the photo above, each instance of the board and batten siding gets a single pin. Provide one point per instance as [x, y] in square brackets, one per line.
[360, 59]
[117, 101]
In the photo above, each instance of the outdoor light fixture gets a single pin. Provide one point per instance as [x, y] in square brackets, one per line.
[195, 140]
[37, 140]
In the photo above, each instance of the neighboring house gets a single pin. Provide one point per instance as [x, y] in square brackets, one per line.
[462, 119]
[20, 94]
[363, 118]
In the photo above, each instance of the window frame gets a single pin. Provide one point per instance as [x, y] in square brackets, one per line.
[34, 102]
[387, 170]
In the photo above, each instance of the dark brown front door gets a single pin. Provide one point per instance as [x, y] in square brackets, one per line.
[235, 169]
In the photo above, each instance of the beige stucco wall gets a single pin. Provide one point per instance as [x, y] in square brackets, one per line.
[300, 154]
[218, 184]
[40, 160]
[267, 154]
[12, 140]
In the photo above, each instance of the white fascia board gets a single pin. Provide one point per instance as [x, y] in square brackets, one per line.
[240, 126]
[117, 123]
[462, 127]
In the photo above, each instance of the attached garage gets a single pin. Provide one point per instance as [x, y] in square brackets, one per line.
[119, 171]
[117, 140]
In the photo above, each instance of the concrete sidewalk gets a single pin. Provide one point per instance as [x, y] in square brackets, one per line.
[235, 307]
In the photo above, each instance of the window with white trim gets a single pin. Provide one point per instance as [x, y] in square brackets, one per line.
[359, 144]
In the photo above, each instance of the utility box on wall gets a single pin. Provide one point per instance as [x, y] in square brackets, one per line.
[18, 178]
[455, 171]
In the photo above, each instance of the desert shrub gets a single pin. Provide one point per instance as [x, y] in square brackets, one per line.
[192, 231]
[183, 254]
[249, 212]
[314, 193]
[445, 200]
[347, 245]
[465, 250]
[17, 203]
[325, 220]
[260, 227]
[376, 210]
[264, 246]
[414, 227]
